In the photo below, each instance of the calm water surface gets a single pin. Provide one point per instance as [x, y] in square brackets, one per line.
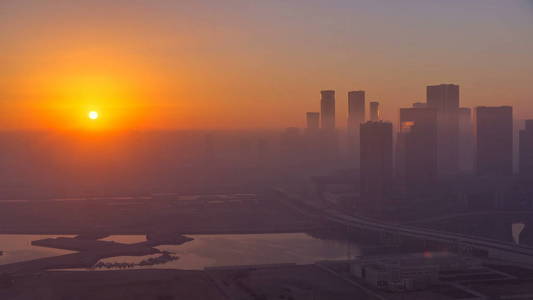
[245, 249]
[204, 250]
[17, 247]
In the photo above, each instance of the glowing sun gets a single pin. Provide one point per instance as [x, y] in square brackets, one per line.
[93, 115]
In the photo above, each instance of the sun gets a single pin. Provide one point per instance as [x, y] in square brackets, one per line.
[93, 115]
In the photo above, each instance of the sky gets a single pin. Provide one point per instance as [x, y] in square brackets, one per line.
[211, 64]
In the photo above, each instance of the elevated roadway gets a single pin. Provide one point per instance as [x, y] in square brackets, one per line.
[495, 248]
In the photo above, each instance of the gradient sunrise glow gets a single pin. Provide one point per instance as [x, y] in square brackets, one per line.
[233, 64]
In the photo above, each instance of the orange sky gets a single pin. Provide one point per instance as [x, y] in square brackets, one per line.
[248, 64]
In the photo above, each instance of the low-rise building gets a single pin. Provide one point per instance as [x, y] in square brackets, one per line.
[408, 272]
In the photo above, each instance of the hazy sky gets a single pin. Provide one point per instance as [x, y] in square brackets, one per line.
[238, 63]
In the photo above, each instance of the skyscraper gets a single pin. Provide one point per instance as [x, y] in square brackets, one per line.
[356, 116]
[376, 163]
[313, 142]
[313, 121]
[327, 107]
[356, 110]
[466, 140]
[494, 141]
[329, 139]
[375, 114]
[417, 147]
[526, 150]
[445, 99]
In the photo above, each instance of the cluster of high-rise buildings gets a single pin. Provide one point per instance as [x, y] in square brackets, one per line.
[434, 139]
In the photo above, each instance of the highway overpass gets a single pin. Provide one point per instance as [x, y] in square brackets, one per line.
[495, 248]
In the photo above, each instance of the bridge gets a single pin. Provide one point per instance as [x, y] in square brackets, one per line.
[495, 248]
[525, 214]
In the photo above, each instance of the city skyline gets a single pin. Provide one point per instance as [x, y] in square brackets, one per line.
[260, 150]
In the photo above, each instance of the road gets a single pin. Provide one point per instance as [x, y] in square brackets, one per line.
[495, 248]
[521, 213]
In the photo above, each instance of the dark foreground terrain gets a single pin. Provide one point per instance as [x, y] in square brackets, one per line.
[210, 214]
[321, 281]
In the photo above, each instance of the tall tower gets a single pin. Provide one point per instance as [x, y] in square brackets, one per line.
[526, 151]
[375, 114]
[466, 140]
[327, 107]
[445, 99]
[494, 141]
[356, 110]
[376, 163]
[417, 148]
[356, 117]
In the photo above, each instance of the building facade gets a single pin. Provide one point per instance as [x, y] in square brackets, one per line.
[356, 110]
[526, 151]
[376, 163]
[445, 99]
[494, 141]
[466, 140]
[416, 161]
[375, 113]
[327, 110]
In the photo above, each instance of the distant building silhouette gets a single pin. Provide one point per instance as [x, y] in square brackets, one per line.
[445, 99]
[466, 140]
[417, 148]
[313, 121]
[291, 145]
[356, 110]
[420, 105]
[356, 116]
[290, 137]
[375, 114]
[328, 135]
[313, 141]
[526, 150]
[494, 141]
[327, 107]
[376, 163]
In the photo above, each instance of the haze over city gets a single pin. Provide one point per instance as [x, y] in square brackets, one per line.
[266, 150]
